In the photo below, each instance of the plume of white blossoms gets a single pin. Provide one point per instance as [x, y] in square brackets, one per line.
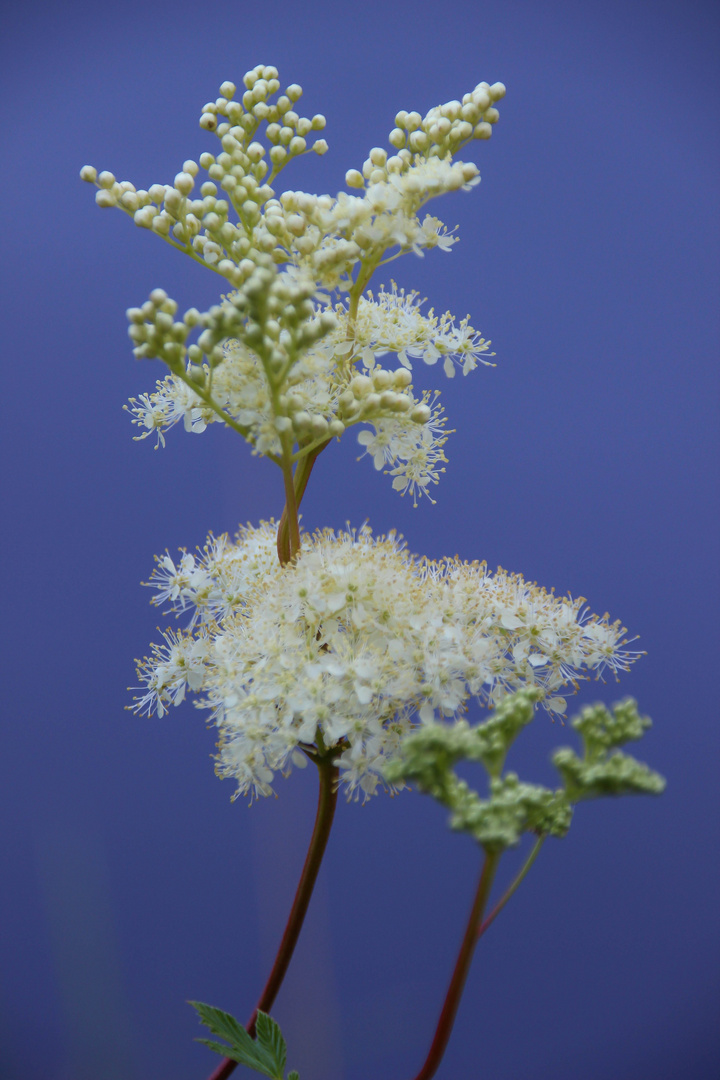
[353, 644]
[281, 360]
[341, 647]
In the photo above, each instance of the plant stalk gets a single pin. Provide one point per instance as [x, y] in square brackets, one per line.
[300, 482]
[327, 800]
[462, 967]
[512, 887]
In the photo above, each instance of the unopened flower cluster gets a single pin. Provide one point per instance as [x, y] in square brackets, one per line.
[295, 353]
[428, 758]
[352, 645]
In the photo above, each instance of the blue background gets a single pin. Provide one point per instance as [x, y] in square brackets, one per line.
[129, 883]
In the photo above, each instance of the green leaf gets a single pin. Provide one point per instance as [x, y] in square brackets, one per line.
[242, 1048]
[270, 1038]
[293, 1075]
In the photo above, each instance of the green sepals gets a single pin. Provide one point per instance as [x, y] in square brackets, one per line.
[266, 1053]
[616, 774]
[513, 808]
[604, 770]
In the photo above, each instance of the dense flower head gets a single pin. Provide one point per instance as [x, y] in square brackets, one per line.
[355, 642]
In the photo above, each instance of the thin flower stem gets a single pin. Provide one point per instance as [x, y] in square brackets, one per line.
[327, 799]
[290, 511]
[462, 967]
[511, 889]
[300, 482]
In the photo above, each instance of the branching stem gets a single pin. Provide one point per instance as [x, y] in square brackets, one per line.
[511, 888]
[300, 482]
[462, 967]
[475, 929]
[290, 513]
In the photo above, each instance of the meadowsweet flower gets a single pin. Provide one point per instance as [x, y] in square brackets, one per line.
[279, 360]
[414, 452]
[393, 323]
[358, 640]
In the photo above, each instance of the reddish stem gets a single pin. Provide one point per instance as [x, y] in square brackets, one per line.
[327, 799]
[462, 967]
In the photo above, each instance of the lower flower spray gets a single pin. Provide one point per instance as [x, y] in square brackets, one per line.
[344, 649]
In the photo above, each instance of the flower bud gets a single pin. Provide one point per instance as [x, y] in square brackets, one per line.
[420, 414]
[144, 217]
[105, 198]
[360, 386]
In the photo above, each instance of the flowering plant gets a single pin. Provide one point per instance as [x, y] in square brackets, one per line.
[343, 648]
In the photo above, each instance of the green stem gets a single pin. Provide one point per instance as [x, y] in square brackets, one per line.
[462, 967]
[205, 396]
[327, 800]
[511, 889]
[290, 513]
[300, 482]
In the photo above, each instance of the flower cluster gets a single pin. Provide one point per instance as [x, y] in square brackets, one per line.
[428, 756]
[354, 643]
[328, 235]
[393, 323]
[278, 360]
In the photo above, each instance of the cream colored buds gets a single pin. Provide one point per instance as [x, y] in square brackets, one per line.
[105, 198]
[184, 183]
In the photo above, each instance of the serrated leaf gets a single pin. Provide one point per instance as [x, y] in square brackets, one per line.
[221, 1023]
[270, 1039]
[230, 1052]
[242, 1048]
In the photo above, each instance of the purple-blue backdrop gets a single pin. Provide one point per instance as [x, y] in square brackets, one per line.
[129, 883]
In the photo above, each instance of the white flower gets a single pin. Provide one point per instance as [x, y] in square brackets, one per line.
[359, 640]
[414, 451]
[392, 322]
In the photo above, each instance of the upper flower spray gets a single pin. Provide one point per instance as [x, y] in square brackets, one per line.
[280, 360]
